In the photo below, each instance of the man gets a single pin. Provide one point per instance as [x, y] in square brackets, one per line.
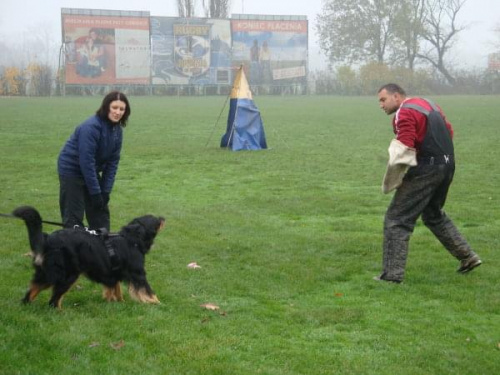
[421, 128]
[254, 63]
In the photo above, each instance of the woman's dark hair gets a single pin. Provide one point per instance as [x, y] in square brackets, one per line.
[103, 111]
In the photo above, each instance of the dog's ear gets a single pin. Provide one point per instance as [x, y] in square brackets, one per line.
[135, 230]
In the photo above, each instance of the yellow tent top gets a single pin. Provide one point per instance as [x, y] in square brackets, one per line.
[241, 89]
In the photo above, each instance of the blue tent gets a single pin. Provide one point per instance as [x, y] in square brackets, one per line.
[244, 124]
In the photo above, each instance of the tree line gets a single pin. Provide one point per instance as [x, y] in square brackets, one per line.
[392, 32]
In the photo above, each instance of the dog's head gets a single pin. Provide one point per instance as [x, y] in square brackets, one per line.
[145, 229]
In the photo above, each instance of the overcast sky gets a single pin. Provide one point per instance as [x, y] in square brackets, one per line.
[473, 47]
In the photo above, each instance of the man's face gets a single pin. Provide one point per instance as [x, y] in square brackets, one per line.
[389, 102]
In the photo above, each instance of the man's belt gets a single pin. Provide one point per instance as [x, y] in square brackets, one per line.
[435, 160]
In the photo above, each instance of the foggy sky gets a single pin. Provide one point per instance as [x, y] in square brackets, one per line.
[472, 48]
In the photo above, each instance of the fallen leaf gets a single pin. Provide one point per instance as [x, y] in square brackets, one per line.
[210, 306]
[339, 294]
[193, 265]
[499, 345]
[117, 345]
[94, 344]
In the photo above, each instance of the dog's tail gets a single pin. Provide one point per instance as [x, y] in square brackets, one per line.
[33, 222]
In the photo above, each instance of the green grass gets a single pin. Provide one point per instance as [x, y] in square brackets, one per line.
[288, 240]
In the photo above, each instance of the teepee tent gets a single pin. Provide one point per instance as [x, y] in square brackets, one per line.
[244, 124]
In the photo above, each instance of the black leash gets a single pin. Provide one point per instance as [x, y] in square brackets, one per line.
[10, 216]
[101, 231]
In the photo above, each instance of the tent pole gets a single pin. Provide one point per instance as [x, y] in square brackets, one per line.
[217, 121]
[232, 130]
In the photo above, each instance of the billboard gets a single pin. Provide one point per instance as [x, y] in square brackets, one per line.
[106, 47]
[274, 51]
[189, 51]
[109, 47]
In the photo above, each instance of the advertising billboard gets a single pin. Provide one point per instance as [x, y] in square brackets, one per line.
[110, 47]
[190, 51]
[106, 49]
[273, 51]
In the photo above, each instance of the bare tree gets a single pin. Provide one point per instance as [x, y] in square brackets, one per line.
[390, 31]
[336, 27]
[410, 28]
[217, 8]
[441, 29]
[357, 31]
[381, 24]
[40, 46]
[186, 8]
[35, 45]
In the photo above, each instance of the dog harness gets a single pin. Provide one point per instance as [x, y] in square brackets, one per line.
[105, 236]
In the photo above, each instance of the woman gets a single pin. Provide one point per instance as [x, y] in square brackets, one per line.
[88, 163]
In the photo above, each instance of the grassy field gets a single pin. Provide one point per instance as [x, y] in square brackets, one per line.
[288, 240]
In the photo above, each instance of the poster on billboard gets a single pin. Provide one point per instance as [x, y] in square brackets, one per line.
[190, 51]
[270, 49]
[102, 49]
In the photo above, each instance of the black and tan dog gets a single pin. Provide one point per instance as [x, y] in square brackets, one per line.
[60, 257]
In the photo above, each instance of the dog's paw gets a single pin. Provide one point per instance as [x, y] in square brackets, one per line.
[155, 300]
[113, 294]
[141, 295]
[152, 299]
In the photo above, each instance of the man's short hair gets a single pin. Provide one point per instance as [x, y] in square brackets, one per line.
[393, 88]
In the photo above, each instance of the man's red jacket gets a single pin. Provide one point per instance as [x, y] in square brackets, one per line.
[410, 125]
